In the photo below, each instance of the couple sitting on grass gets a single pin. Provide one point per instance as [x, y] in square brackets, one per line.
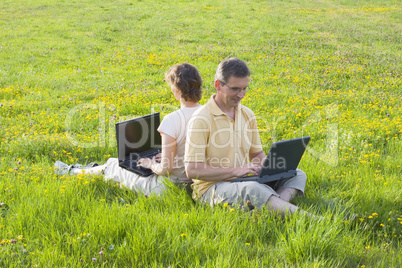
[219, 143]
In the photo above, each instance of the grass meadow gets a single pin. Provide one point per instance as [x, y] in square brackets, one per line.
[69, 70]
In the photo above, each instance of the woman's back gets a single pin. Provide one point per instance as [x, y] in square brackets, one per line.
[175, 125]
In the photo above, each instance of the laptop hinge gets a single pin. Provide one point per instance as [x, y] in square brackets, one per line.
[279, 176]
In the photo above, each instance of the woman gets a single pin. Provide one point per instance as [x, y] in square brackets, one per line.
[185, 82]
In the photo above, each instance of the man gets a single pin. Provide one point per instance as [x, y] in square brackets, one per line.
[223, 143]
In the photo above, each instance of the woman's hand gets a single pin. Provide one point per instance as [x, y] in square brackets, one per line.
[146, 162]
[162, 163]
[157, 157]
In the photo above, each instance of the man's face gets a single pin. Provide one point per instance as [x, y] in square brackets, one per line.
[232, 92]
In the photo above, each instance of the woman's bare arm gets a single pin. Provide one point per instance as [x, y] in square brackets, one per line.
[163, 164]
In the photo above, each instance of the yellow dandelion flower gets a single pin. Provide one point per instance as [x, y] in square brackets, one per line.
[247, 244]
[226, 205]
[183, 235]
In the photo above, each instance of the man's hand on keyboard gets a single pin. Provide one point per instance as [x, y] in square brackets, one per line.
[246, 170]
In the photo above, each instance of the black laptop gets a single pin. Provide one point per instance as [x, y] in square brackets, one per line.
[281, 162]
[138, 138]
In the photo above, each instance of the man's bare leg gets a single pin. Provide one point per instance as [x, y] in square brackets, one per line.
[279, 206]
[287, 194]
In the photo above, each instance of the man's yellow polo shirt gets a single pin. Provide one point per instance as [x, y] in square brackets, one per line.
[217, 140]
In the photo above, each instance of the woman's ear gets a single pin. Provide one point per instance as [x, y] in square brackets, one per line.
[176, 92]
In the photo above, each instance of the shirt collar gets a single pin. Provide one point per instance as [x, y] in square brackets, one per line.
[214, 108]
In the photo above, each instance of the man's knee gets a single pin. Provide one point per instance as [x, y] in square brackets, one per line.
[301, 175]
[257, 193]
[253, 188]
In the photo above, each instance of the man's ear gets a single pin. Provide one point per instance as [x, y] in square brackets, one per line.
[218, 84]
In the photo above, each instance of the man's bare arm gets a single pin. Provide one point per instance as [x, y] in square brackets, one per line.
[257, 158]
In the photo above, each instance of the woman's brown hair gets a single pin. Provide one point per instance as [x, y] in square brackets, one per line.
[186, 78]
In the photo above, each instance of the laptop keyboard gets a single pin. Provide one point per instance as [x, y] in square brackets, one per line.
[149, 154]
[132, 161]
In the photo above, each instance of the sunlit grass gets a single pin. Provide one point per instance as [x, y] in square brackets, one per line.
[70, 70]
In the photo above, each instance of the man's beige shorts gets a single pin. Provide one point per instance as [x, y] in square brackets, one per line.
[257, 193]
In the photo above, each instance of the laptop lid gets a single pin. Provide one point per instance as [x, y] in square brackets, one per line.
[138, 135]
[284, 156]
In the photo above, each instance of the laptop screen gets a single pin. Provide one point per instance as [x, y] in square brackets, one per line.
[284, 156]
[138, 135]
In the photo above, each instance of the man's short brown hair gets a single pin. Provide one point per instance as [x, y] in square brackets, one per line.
[231, 67]
[186, 78]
